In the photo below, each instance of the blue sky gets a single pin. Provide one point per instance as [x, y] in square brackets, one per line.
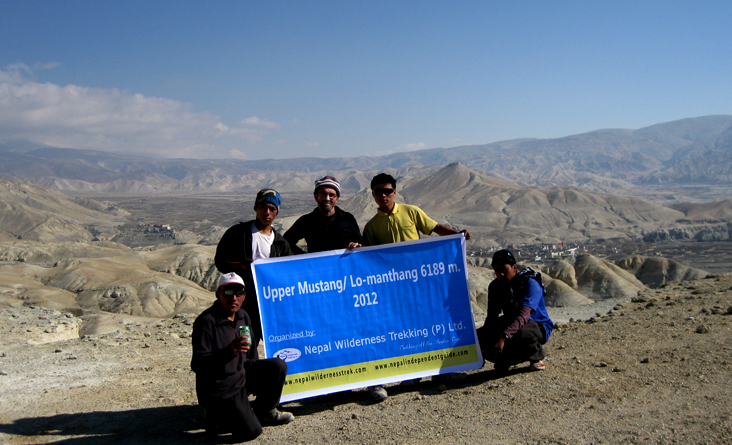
[274, 79]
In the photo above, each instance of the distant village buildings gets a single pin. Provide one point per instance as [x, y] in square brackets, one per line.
[534, 252]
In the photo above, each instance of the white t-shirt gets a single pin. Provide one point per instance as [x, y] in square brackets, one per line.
[261, 243]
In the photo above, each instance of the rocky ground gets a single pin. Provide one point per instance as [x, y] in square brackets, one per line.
[656, 370]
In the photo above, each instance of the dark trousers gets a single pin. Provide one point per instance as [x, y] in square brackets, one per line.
[522, 346]
[235, 414]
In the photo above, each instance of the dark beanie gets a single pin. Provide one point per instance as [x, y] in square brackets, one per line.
[268, 195]
[503, 257]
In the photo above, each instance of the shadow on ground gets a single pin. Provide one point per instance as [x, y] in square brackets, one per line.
[178, 424]
[426, 387]
[164, 425]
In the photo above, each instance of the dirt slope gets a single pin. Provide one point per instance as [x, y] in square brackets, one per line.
[657, 370]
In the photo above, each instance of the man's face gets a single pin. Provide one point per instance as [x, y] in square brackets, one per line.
[384, 195]
[327, 198]
[233, 302]
[266, 213]
[505, 272]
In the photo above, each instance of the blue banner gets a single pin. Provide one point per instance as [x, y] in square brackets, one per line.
[344, 320]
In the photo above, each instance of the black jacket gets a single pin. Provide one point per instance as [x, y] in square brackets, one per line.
[324, 233]
[236, 246]
[219, 372]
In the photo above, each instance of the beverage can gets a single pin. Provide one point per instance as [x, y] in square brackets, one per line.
[246, 332]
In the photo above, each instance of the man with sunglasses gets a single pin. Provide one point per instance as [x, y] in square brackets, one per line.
[518, 334]
[247, 241]
[395, 223]
[228, 370]
[327, 227]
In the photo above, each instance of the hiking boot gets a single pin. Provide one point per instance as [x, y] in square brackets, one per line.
[378, 393]
[538, 365]
[274, 418]
[210, 424]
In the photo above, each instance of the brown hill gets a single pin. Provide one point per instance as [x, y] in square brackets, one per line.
[560, 294]
[655, 271]
[600, 279]
[591, 279]
[40, 214]
[509, 213]
[193, 262]
[711, 211]
[708, 161]
[103, 277]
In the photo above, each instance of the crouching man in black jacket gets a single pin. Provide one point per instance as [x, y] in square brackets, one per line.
[228, 369]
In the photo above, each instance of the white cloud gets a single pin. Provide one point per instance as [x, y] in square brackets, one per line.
[412, 147]
[257, 122]
[402, 148]
[234, 153]
[113, 120]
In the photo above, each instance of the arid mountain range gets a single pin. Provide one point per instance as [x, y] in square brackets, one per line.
[679, 161]
[68, 254]
[496, 213]
[101, 245]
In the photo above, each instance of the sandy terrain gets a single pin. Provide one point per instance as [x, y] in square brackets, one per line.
[655, 370]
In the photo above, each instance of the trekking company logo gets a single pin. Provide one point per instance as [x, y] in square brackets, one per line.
[288, 355]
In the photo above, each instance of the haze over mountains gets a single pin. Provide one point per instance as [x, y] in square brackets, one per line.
[684, 160]
[520, 191]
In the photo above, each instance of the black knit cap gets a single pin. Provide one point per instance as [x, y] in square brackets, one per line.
[503, 257]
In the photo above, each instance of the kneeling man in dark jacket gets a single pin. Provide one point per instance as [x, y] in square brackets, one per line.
[228, 369]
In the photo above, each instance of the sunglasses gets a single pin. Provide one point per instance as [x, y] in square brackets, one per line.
[230, 292]
[383, 191]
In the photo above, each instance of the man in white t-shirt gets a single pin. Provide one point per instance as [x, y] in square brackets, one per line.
[251, 240]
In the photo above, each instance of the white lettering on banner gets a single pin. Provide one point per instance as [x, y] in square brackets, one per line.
[409, 333]
[345, 343]
[354, 342]
[439, 329]
[386, 277]
[429, 270]
[392, 276]
[456, 326]
[366, 299]
[273, 293]
[318, 349]
[291, 336]
[305, 287]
